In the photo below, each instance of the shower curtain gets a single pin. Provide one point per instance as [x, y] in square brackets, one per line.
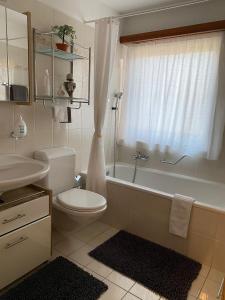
[106, 38]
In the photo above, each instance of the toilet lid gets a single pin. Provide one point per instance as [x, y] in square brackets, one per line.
[81, 200]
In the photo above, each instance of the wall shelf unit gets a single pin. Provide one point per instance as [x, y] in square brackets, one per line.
[44, 44]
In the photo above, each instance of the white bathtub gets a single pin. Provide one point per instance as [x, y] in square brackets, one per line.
[205, 193]
[143, 208]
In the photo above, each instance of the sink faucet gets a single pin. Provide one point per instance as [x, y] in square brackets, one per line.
[164, 161]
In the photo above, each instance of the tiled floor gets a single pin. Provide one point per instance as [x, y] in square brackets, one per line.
[76, 245]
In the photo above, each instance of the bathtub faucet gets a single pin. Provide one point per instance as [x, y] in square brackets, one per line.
[136, 157]
[164, 161]
[140, 156]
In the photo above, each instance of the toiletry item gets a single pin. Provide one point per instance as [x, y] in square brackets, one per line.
[61, 92]
[69, 84]
[20, 130]
[47, 89]
[18, 93]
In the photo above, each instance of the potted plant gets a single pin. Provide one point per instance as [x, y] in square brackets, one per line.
[63, 32]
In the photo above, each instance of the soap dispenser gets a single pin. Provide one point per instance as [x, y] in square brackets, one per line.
[20, 129]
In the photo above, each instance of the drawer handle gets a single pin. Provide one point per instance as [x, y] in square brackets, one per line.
[20, 240]
[220, 290]
[19, 216]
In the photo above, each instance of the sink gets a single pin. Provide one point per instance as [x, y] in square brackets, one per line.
[17, 171]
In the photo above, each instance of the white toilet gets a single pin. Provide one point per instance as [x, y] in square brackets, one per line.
[81, 206]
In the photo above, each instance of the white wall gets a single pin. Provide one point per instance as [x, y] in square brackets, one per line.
[81, 9]
[43, 132]
[189, 15]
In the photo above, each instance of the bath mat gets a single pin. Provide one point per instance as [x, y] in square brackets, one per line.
[58, 280]
[161, 270]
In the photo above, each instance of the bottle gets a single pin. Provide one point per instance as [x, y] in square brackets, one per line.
[47, 90]
[20, 128]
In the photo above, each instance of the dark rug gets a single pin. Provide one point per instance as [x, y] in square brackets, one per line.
[58, 280]
[161, 270]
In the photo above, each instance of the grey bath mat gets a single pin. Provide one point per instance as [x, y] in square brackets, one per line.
[162, 270]
[58, 280]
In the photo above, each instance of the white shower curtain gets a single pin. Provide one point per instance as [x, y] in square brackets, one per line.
[106, 38]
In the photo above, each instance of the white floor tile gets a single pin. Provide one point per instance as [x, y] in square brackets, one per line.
[91, 231]
[143, 293]
[188, 298]
[215, 275]
[197, 286]
[81, 255]
[191, 298]
[210, 290]
[95, 274]
[129, 296]
[101, 238]
[204, 270]
[99, 268]
[55, 254]
[121, 280]
[57, 237]
[68, 245]
[98, 240]
[113, 293]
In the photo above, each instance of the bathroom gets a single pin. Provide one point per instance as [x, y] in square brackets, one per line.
[136, 200]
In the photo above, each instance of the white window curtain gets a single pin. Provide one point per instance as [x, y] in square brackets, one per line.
[106, 41]
[174, 95]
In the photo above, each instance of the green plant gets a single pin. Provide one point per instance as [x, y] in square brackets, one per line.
[64, 31]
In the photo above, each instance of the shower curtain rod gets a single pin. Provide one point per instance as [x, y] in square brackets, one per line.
[149, 11]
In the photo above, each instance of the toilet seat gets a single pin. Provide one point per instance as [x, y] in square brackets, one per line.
[81, 200]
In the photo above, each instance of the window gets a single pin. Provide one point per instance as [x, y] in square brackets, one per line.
[173, 96]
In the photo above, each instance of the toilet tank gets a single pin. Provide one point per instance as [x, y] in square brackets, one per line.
[62, 168]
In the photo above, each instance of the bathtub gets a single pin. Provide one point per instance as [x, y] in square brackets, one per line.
[205, 193]
[143, 208]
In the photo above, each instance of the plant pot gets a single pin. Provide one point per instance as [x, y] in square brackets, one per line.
[62, 46]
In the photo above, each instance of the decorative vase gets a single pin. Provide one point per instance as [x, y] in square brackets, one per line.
[70, 85]
[62, 46]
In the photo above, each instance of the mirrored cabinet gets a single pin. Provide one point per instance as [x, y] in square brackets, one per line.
[15, 56]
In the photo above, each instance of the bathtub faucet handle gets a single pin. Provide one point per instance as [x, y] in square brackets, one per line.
[141, 156]
[164, 161]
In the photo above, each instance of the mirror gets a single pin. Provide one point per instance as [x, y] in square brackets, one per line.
[15, 56]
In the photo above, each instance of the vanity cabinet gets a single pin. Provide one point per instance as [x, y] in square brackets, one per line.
[25, 233]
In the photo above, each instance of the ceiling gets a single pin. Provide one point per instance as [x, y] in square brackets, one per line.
[122, 6]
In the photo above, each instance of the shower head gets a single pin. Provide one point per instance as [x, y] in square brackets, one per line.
[117, 98]
[118, 95]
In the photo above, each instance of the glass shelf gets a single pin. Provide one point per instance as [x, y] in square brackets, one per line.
[60, 54]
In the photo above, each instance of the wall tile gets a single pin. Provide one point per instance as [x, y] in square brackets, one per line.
[219, 258]
[6, 119]
[25, 146]
[220, 236]
[60, 135]
[200, 248]
[200, 220]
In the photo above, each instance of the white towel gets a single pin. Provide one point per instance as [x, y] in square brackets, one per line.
[180, 215]
[60, 113]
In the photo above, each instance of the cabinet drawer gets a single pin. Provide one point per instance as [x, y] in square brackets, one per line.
[20, 215]
[24, 249]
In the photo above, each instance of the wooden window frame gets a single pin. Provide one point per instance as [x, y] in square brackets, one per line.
[173, 32]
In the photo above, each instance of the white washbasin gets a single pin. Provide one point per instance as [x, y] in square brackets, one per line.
[17, 171]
